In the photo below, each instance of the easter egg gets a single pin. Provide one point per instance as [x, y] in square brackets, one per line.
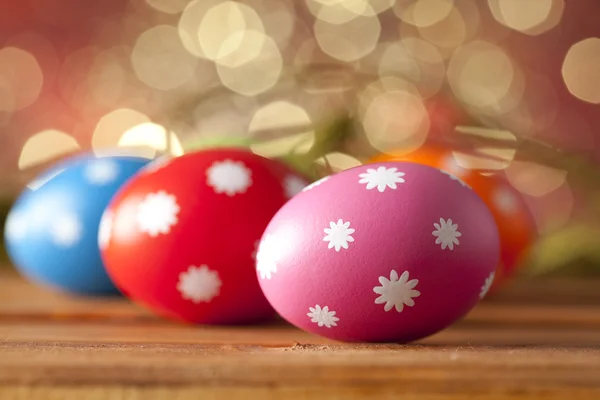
[180, 238]
[389, 252]
[515, 223]
[51, 231]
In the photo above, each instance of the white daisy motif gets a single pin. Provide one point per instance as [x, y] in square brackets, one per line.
[315, 184]
[381, 178]
[199, 284]
[322, 316]
[105, 228]
[396, 292]
[338, 235]
[456, 178]
[505, 200]
[266, 257]
[487, 285]
[101, 171]
[293, 185]
[229, 177]
[66, 230]
[15, 226]
[446, 233]
[157, 213]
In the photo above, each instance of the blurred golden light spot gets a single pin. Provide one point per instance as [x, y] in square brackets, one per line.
[339, 161]
[487, 157]
[480, 74]
[281, 115]
[530, 17]
[151, 135]
[22, 72]
[534, 179]
[470, 12]
[41, 48]
[7, 97]
[340, 12]
[278, 19]
[107, 78]
[415, 60]
[258, 74]
[543, 107]
[73, 78]
[431, 12]
[113, 125]
[423, 12]
[46, 146]
[396, 119]
[581, 70]
[223, 37]
[396, 60]
[309, 53]
[351, 40]
[189, 23]
[449, 32]
[168, 6]
[159, 59]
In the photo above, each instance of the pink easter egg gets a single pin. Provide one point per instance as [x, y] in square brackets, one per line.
[386, 252]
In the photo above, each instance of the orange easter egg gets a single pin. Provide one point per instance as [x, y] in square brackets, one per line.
[516, 225]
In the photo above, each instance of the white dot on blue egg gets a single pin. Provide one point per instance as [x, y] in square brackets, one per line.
[15, 226]
[66, 230]
[51, 233]
[101, 171]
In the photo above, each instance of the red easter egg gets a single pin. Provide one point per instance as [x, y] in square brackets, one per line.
[180, 238]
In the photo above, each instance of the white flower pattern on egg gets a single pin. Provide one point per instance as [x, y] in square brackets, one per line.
[446, 233]
[229, 177]
[16, 225]
[199, 284]
[322, 316]
[339, 235]
[157, 213]
[382, 178]
[505, 200]
[66, 229]
[101, 171]
[396, 292]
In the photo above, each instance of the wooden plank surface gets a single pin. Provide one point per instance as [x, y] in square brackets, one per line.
[539, 339]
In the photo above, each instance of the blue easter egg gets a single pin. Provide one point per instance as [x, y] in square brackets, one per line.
[51, 232]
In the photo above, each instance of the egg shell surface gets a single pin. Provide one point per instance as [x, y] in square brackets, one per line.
[181, 238]
[516, 225]
[51, 232]
[388, 252]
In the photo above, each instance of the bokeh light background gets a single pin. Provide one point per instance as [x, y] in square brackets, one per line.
[164, 75]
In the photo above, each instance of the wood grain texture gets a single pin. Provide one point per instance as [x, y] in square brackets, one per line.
[538, 340]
